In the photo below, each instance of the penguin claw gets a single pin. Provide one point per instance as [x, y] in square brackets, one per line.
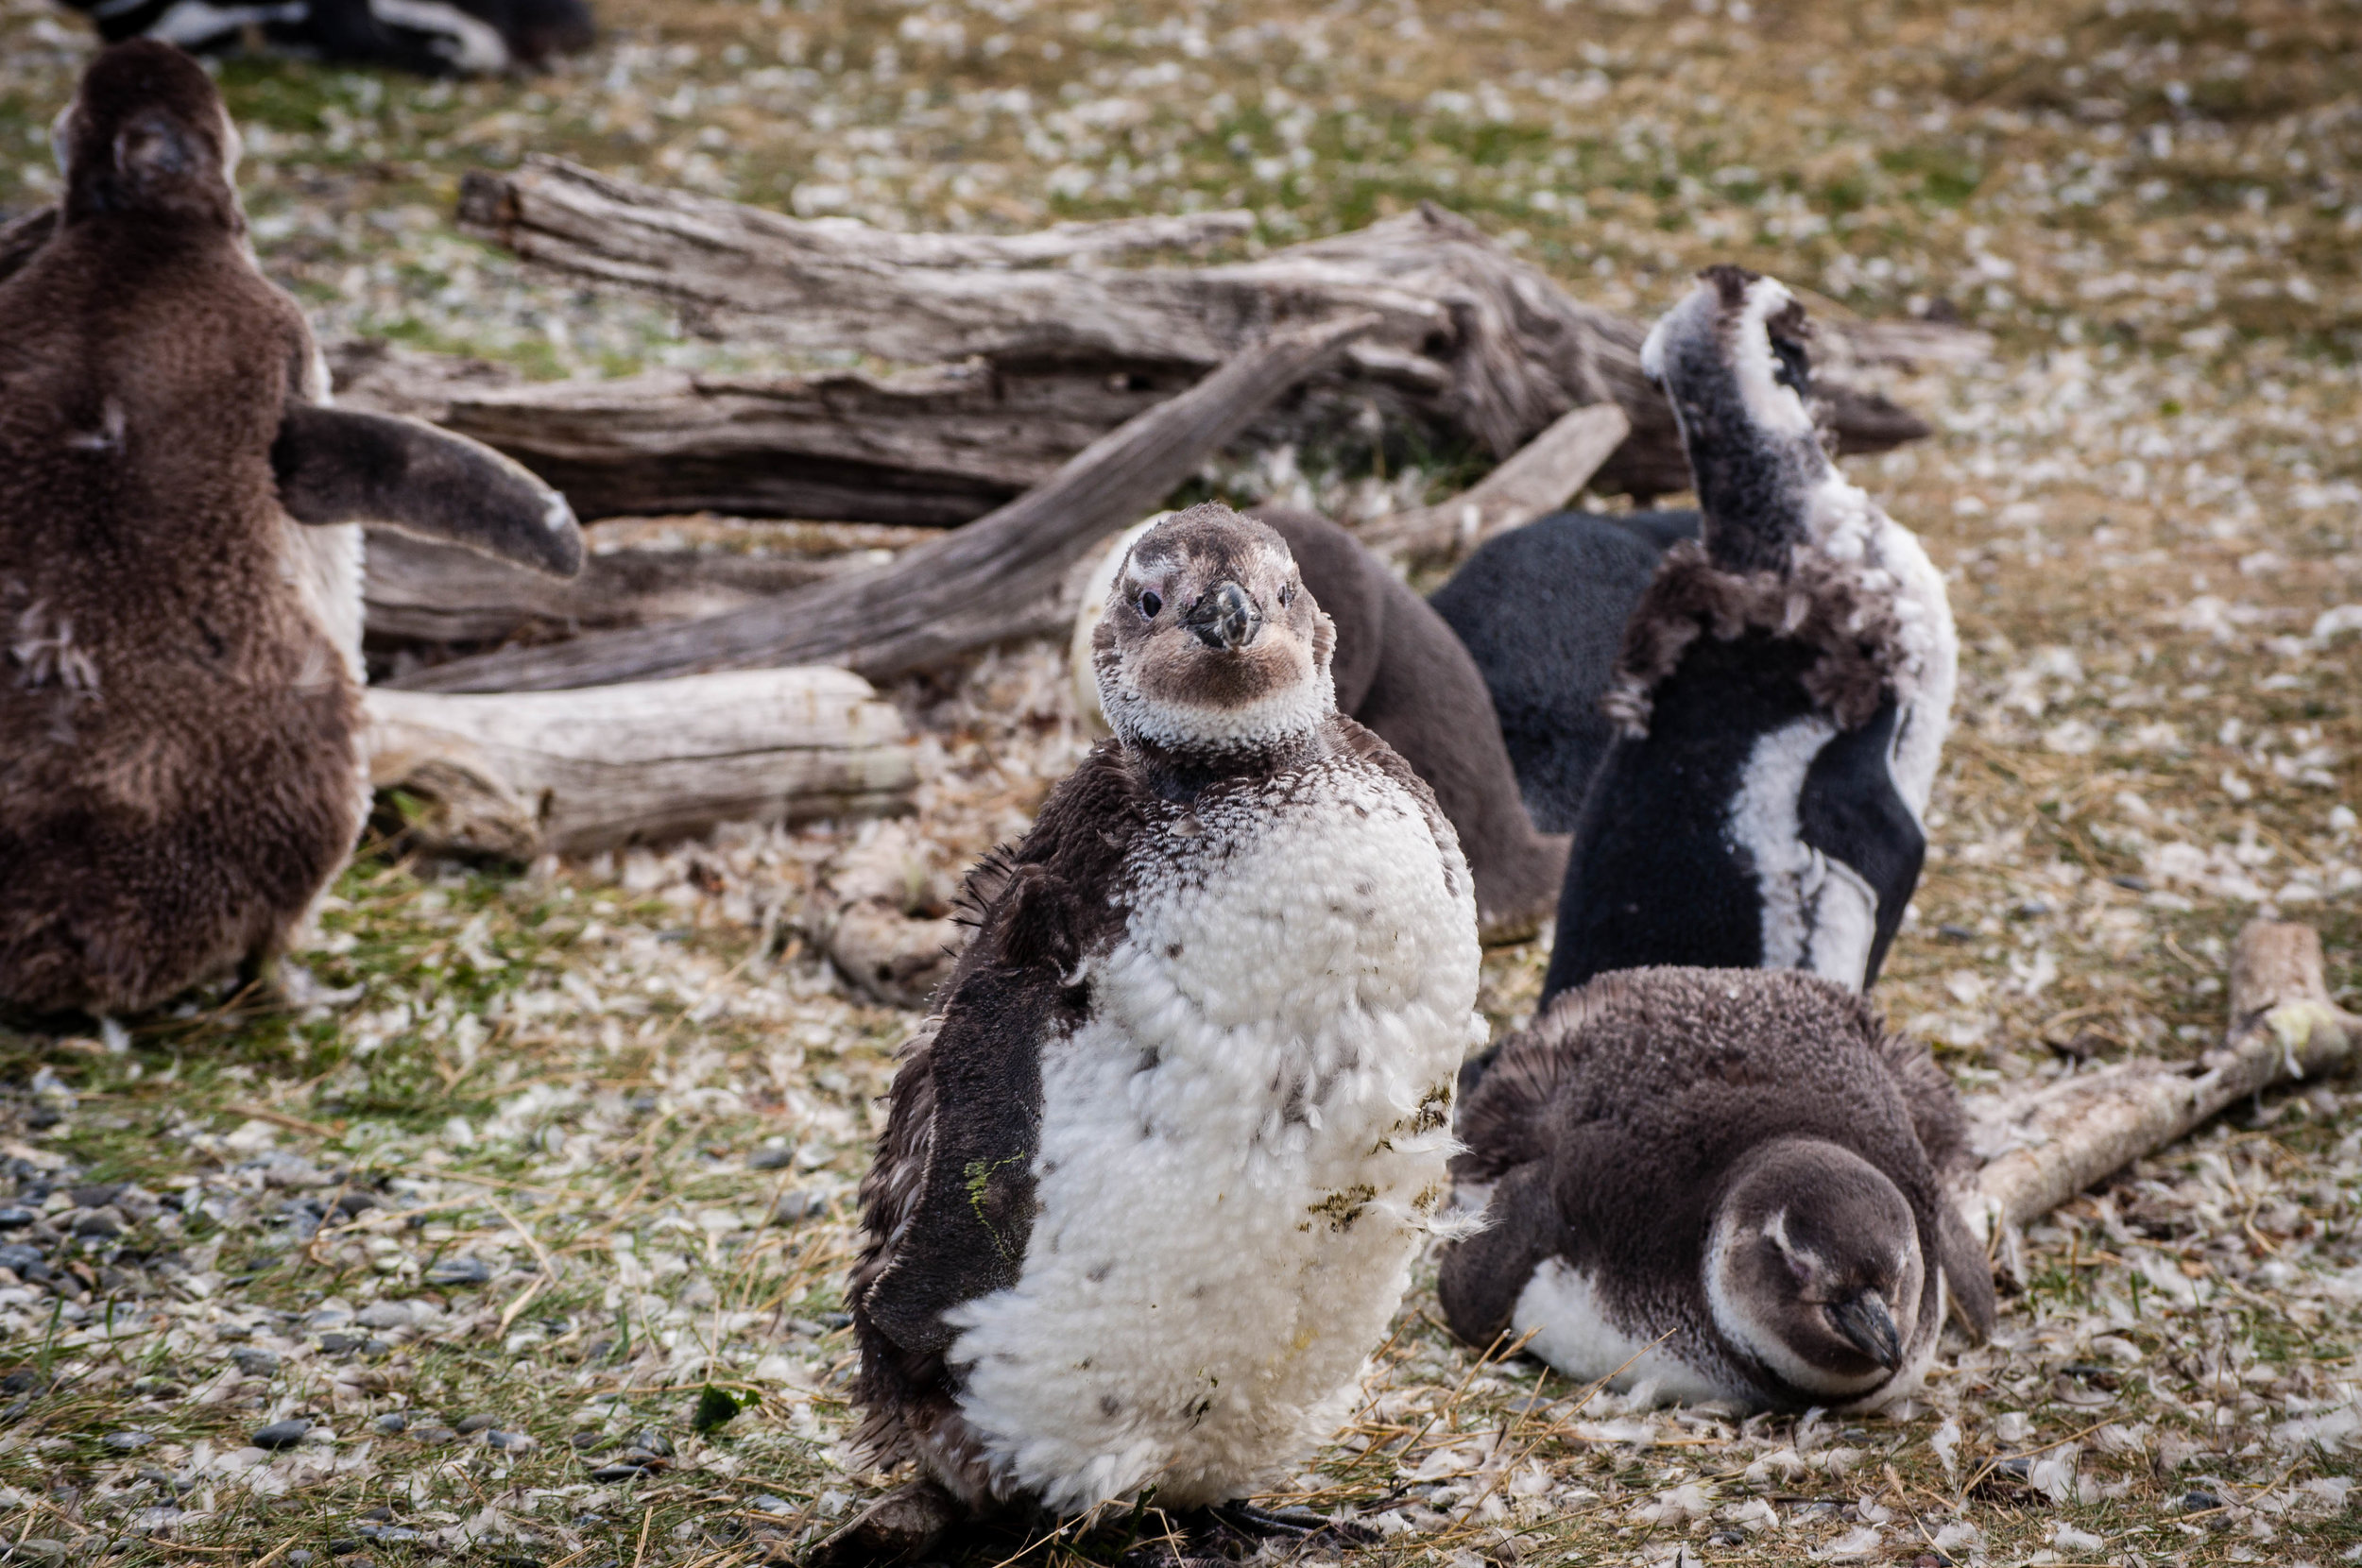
[895, 1529]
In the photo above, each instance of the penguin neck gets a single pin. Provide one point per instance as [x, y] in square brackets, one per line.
[1183, 772]
[1756, 495]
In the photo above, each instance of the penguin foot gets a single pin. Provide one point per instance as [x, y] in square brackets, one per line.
[1290, 1525]
[895, 1529]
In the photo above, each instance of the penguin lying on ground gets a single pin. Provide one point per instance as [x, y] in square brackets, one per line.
[1154, 1172]
[180, 771]
[1781, 695]
[429, 37]
[1399, 671]
[1743, 1161]
[1541, 608]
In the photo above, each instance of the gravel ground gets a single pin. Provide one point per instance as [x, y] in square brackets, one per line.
[474, 1264]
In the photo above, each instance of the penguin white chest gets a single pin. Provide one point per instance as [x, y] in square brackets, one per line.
[1241, 1150]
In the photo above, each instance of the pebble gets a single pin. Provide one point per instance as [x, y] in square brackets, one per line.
[2199, 1502]
[353, 1202]
[340, 1344]
[16, 1219]
[468, 1425]
[38, 1549]
[128, 1443]
[771, 1157]
[432, 1433]
[384, 1314]
[512, 1441]
[459, 1271]
[391, 1423]
[649, 1440]
[25, 1262]
[281, 1434]
[802, 1204]
[254, 1361]
[100, 1225]
[608, 1473]
[96, 1197]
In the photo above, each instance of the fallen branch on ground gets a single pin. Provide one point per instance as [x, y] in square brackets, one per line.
[1543, 477]
[974, 587]
[2283, 1028]
[577, 772]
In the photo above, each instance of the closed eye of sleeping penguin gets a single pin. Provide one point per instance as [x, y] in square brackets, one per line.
[181, 766]
[1725, 1185]
[1782, 692]
[1155, 1170]
[1400, 672]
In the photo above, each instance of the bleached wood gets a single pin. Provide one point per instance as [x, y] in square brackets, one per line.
[2283, 1028]
[577, 772]
[1469, 340]
[1540, 478]
[973, 586]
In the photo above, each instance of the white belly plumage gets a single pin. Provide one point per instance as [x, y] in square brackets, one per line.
[1239, 1154]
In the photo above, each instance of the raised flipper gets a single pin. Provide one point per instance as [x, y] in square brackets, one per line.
[1851, 811]
[336, 465]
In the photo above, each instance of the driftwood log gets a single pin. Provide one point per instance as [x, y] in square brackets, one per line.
[2283, 1028]
[975, 585]
[1469, 343]
[417, 592]
[577, 772]
[1542, 477]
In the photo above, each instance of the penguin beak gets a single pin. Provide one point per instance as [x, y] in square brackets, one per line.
[1865, 1321]
[1225, 618]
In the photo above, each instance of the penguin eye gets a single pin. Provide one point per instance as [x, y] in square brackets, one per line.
[1151, 602]
[1288, 595]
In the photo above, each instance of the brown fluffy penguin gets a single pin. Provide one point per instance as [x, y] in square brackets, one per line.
[1402, 672]
[181, 771]
[1723, 1184]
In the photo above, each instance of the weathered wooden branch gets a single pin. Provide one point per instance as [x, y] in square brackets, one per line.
[1540, 478]
[577, 772]
[417, 592]
[1469, 340]
[2283, 1026]
[974, 587]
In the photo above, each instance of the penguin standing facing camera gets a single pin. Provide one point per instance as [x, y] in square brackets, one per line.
[1726, 1184]
[180, 768]
[1400, 672]
[1782, 693]
[1155, 1171]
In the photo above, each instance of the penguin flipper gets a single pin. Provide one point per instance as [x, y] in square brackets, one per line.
[336, 465]
[1851, 811]
[1483, 1275]
[1967, 1275]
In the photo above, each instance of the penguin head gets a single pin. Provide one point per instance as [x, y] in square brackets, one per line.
[1733, 358]
[1814, 1269]
[1211, 641]
[147, 133]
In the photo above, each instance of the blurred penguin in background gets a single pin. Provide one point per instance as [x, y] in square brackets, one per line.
[431, 38]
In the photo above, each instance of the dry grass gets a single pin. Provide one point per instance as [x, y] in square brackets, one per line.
[2145, 507]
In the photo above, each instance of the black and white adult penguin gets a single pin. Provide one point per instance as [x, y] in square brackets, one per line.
[181, 767]
[1782, 693]
[1155, 1170]
[1541, 611]
[1400, 672]
[429, 37]
[1743, 1162]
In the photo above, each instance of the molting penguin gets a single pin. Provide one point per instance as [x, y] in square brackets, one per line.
[179, 598]
[1743, 1161]
[429, 37]
[1399, 671]
[1781, 696]
[1541, 608]
[1154, 1172]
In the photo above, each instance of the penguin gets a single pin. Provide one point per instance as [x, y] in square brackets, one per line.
[1400, 672]
[180, 738]
[1727, 1184]
[1780, 692]
[432, 38]
[1154, 1170]
[1541, 608]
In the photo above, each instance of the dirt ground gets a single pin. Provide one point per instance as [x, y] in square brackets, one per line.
[570, 1175]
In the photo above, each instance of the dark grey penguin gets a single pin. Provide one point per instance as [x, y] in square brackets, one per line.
[1782, 692]
[1743, 1161]
[1400, 672]
[1155, 1170]
[180, 771]
[1541, 609]
[430, 37]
